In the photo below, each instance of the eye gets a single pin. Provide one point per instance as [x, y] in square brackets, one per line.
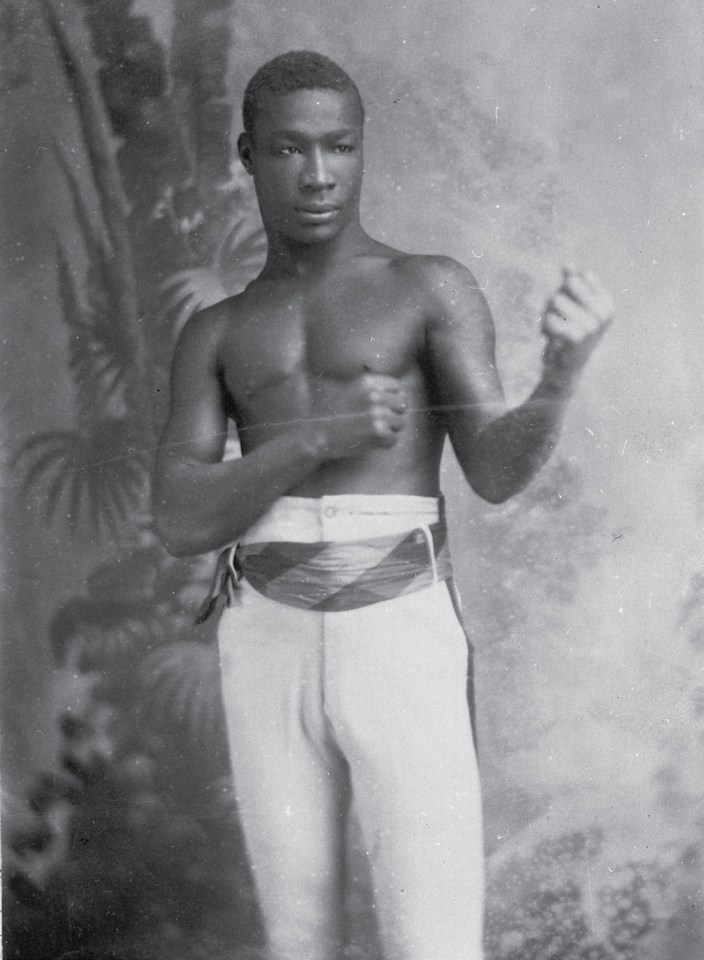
[288, 151]
[343, 148]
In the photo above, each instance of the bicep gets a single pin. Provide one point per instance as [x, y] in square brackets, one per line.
[460, 341]
[197, 423]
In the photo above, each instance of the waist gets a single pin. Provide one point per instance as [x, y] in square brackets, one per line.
[337, 552]
[341, 518]
[337, 575]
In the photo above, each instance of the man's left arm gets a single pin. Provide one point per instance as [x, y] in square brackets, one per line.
[499, 449]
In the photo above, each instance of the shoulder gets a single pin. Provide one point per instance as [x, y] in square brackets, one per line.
[439, 276]
[202, 334]
[432, 273]
[444, 277]
[451, 293]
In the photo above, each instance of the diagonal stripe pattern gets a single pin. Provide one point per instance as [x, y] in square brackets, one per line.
[330, 576]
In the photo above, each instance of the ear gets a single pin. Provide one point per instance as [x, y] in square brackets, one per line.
[244, 148]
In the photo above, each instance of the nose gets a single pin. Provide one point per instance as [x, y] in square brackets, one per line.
[316, 174]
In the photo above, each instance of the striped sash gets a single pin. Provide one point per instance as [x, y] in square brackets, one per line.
[332, 576]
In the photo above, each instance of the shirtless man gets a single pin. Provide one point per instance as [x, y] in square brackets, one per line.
[345, 366]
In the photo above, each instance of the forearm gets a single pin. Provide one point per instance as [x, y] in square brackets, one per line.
[511, 449]
[500, 451]
[200, 507]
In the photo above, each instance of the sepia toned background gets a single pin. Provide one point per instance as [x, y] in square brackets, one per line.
[515, 136]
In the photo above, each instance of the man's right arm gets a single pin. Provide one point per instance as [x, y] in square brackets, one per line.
[201, 503]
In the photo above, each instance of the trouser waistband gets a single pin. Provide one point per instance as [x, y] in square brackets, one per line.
[337, 552]
[343, 517]
[332, 576]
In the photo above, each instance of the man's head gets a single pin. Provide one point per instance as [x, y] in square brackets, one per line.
[295, 70]
[303, 145]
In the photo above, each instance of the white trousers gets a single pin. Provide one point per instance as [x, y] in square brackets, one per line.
[367, 706]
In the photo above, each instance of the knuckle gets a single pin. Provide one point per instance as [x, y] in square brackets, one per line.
[378, 423]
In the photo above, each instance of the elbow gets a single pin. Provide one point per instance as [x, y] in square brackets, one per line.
[176, 548]
[494, 495]
[494, 490]
[491, 481]
[169, 538]
[170, 534]
[167, 519]
[180, 537]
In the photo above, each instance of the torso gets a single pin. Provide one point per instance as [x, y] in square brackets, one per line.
[284, 341]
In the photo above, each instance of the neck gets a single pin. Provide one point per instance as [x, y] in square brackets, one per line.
[309, 259]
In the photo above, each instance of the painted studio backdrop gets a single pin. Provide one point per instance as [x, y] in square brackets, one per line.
[514, 135]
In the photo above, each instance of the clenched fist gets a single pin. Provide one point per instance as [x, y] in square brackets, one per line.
[363, 413]
[574, 321]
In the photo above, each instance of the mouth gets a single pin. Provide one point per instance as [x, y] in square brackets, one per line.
[317, 212]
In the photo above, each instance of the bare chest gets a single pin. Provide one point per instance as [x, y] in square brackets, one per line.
[278, 356]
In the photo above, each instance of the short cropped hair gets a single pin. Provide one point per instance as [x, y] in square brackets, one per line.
[295, 70]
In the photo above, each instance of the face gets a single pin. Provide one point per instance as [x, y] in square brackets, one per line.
[306, 160]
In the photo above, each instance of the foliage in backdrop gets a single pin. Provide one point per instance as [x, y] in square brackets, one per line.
[128, 847]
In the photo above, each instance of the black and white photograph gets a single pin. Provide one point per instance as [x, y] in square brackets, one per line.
[352, 480]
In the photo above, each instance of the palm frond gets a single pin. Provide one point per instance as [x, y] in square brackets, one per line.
[129, 576]
[99, 648]
[188, 291]
[100, 472]
[118, 499]
[75, 496]
[246, 250]
[63, 480]
[181, 687]
[236, 260]
[100, 354]
[94, 634]
[102, 351]
[41, 454]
